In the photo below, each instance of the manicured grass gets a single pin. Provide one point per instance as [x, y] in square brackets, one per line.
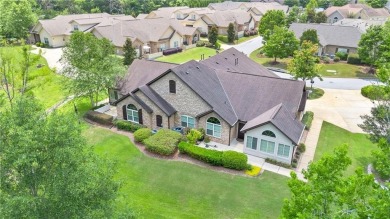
[343, 69]
[224, 39]
[43, 83]
[315, 93]
[191, 54]
[156, 188]
[360, 147]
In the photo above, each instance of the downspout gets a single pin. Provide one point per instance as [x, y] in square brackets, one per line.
[230, 132]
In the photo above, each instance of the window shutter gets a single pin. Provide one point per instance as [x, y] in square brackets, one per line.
[140, 117]
[124, 112]
[172, 86]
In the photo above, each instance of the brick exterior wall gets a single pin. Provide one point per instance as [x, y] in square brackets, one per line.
[156, 111]
[129, 100]
[185, 100]
[225, 128]
[332, 49]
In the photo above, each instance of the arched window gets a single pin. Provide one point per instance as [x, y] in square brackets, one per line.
[335, 19]
[213, 127]
[132, 113]
[268, 133]
[172, 86]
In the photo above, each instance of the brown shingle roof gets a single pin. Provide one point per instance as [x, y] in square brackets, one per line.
[226, 5]
[224, 18]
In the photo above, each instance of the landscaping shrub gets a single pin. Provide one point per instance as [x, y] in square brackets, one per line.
[326, 60]
[141, 134]
[294, 165]
[200, 43]
[302, 147]
[203, 34]
[100, 118]
[193, 136]
[234, 160]
[207, 139]
[164, 142]
[307, 119]
[353, 59]
[382, 163]
[336, 59]
[128, 126]
[342, 55]
[212, 157]
[272, 161]
[217, 46]
[202, 131]
[373, 92]
[255, 171]
[208, 44]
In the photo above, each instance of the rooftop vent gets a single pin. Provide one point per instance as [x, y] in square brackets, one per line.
[225, 58]
[216, 62]
[197, 67]
[187, 72]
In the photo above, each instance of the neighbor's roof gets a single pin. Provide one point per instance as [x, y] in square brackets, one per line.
[330, 34]
[224, 18]
[363, 25]
[281, 118]
[140, 72]
[263, 7]
[141, 16]
[348, 9]
[166, 12]
[226, 5]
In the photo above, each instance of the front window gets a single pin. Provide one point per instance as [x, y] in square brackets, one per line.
[213, 126]
[178, 16]
[335, 19]
[283, 150]
[267, 146]
[251, 142]
[269, 133]
[187, 121]
[193, 17]
[75, 27]
[172, 86]
[132, 113]
[176, 44]
[46, 40]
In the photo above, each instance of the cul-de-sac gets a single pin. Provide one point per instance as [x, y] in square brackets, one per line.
[195, 109]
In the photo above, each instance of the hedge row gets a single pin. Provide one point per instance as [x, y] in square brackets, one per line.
[141, 134]
[307, 119]
[164, 142]
[100, 118]
[374, 92]
[128, 126]
[228, 159]
[353, 58]
[272, 161]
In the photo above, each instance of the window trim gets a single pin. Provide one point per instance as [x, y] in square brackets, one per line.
[132, 112]
[268, 133]
[267, 146]
[187, 121]
[213, 128]
[251, 142]
[157, 118]
[284, 146]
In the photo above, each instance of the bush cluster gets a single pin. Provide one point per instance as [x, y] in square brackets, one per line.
[301, 147]
[100, 118]
[164, 142]
[43, 45]
[373, 92]
[141, 134]
[336, 59]
[307, 119]
[342, 55]
[250, 33]
[272, 161]
[354, 59]
[128, 126]
[202, 43]
[228, 159]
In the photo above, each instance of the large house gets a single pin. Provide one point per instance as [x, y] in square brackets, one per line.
[241, 20]
[363, 25]
[148, 36]
[228, 95]
[56, 32]
[356, 11]
[333, 38]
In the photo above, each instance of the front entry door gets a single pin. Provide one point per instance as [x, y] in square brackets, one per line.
[240, 135]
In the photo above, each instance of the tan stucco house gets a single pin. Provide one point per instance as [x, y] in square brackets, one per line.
[228, 95]
[356, 11]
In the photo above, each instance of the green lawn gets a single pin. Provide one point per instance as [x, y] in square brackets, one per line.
[315, 93]
[343, 69]
[156, 188]
[191, 54]
[224, 39]
[43, 83]
[360, 146]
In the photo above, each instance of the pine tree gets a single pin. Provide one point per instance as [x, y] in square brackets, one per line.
[129, 52]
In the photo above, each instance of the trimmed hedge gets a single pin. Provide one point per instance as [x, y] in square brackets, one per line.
[307, 119]
[234, 160]
[342, 55]
[212, 157]
[227, 159]
[354, 59]
[164, 142]
[272, 161]
[141, 134]
[128, 126]
[373, 92]
[100, 118]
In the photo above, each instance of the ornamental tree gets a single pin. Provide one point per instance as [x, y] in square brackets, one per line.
[213, 35]
[268, 22]
[281, 44]
[369, 45]
[231, 33]
[129, 52]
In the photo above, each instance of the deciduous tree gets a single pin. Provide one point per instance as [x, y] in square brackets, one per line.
[377, 3]
[310, 35]
[369, 45]
[291, 3]
[92, 64]
[281, 43]
[268, 22]
[292, 16]
[129, 52]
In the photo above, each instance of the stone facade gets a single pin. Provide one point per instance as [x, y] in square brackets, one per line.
[156, 111]
[225, 128]
[333, 49]
[146, 119]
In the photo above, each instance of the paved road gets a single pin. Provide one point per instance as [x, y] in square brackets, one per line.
[247, 47]
[337, 83]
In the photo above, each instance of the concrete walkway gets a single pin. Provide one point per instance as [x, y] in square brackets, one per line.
[52, 56]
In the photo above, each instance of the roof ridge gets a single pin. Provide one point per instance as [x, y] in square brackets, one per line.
[227, 96]
[263, 76]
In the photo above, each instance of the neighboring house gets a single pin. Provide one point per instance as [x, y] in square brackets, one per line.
[363, 25]
[164, 12]
[141, 16]
[242, 21]
[258, 9]
[148, 35]
[228, 95]
[228, 5]
[357, 11]
[56, 32]
[333, 38]
[193, 17]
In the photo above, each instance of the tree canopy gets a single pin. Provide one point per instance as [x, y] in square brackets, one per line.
[92, 63]
[310, 35]
[213, 35]
[304, 63]
[281, 43]
[47, 169]
[129, 52]
[231, 33]
[269, 21]
[376, 3]
[369, 45]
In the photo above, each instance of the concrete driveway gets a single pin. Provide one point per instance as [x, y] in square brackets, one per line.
[52, 56]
